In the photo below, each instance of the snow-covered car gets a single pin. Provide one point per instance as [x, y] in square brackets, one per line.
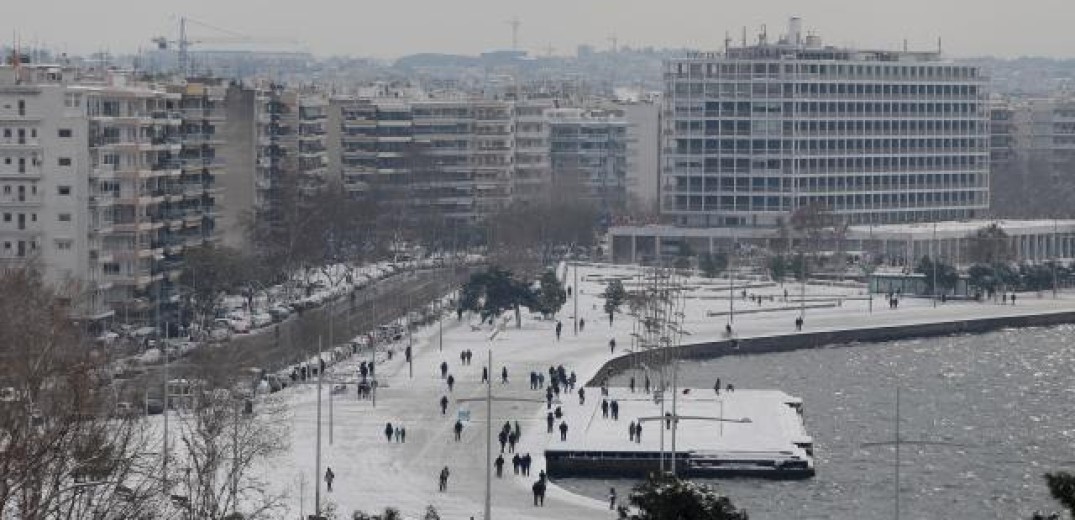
[261, 319]
[235, 325]
[279, 312]
[220, 333]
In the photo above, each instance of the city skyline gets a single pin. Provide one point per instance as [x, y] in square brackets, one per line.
[391, 30]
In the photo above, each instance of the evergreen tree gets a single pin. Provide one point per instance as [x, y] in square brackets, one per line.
[712, 265]
[667, 497]
[551, 295]
[614, 295]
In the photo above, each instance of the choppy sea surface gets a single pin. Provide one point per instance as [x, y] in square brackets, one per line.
[982, 418]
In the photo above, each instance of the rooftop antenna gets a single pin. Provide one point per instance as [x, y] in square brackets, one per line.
[615, 43]
[727, 41]
[514, 23]
[905, 45]
[744, 36]
[938, 46]
[764, 36]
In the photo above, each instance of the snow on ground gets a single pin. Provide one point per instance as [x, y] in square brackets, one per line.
[372, 473]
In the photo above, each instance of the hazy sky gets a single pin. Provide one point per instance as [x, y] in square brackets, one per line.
[391, 28]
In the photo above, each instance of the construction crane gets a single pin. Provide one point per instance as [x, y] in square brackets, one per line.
[184, 43]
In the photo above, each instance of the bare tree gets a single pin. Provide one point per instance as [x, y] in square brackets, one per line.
[64, 449]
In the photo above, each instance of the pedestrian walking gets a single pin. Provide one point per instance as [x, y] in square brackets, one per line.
[516, 463]
[582, 324]
[388, 431]
[443, 369]
[451, 382]
[539, 493]
[403, 435]
[646, 383]
[559, 329]
[631, 384]
[558, 412]
[614, 407]
[458, 430]
[541, 380]
[638, 432]
[329, 477]
[485, 374]
[549, 420]
[604, 408]
[611, 499]
[1013, 298]
[525, 462]
[612, 346]
[631, 431]
[504, 375]
[463, 357]
[397, 434]
[533, 380]
[518, 432]
[443, 404]
[512, 439]
[503, 438]
[563, 430]
[443, 479]
[499, 463]
[582, 396]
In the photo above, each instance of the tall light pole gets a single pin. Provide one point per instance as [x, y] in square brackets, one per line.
[488, 399]
[1055, 258]
[576, 291]
[317, 457]
[933, 245]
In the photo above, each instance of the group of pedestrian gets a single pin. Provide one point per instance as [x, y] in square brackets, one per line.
[799, 323]
[521, 465]
[365, 369]
[610, 408]
[634, 431]
[509, 437]
[537, 380]
[466, 356]
[397, 432]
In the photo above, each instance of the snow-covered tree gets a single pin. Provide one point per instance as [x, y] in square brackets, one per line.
[665, 497]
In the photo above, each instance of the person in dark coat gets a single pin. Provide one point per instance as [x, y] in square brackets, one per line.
[539, 493]
[451, 382]
[563, 430]
[499, 463]
[504, 375]
[329, 477]
[518, 432]
[403, 435]
[559, 329]
[485, 374]
[443, 404]
[615, 408]
[503, 438]
[516, 463]
[526, 464]
[612, 345]
[582, 396]
[582, 324]
[631, 384]
[604, 408]
[443, 369]
[458, 430]
[511, 442]
[388, 431]
[638, 433]
[549, 420]
[558, 413]
[443, 479]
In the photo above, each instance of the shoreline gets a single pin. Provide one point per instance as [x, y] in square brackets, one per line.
[792, 341]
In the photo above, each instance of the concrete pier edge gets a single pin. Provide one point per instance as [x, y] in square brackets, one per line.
[768, 344]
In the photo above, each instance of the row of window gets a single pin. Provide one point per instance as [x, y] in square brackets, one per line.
[751, 68]
[837, 203]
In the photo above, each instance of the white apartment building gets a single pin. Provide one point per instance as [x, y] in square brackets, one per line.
[105, 181]
[753, 133]
[588, 148]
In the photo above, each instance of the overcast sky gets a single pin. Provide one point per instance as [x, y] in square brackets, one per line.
[392, 28]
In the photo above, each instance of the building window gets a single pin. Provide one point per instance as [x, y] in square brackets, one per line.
[7, 190]
[64, 217]
[110, 268]
[7, 245]
[63, 190]
[65, 132]
[7, 217]
[22, 107]
[65, 161]
[63, 245]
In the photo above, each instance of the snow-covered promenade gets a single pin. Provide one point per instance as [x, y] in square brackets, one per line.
[373, 473]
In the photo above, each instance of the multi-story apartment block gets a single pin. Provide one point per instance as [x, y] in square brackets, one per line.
[1002, 132]
[753, 133]
[588, 148]
[533, 172]
[105, 180]
[450, 158]
[1045, 130]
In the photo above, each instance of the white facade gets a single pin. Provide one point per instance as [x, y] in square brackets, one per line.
[754, 133]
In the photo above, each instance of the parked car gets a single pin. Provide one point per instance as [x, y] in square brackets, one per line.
[261, 319]
[154, 406]
[279, 312]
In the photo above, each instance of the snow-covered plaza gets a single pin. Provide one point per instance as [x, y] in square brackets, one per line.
[372, 473]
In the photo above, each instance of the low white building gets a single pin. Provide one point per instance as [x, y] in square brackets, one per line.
[1027, 240]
